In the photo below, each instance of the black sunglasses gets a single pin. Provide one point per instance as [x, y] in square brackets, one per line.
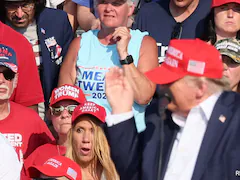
[177, 31]
[8, 74]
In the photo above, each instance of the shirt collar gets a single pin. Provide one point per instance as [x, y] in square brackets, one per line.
[208, 104]
[206, 107]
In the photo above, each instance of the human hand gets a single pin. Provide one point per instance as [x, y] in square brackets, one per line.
[122, 37]
[118, 91]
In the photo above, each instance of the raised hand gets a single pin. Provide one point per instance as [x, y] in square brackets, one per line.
[118, 90]
[122, 37]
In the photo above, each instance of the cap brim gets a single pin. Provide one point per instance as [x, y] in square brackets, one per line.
[12, 67]
[89, 113]
[219, 3]
[66, 98]
[232, 57]
[36, 171]
[163, 75]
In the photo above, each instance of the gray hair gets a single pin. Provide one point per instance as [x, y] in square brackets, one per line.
[129, 2]
[214, 85]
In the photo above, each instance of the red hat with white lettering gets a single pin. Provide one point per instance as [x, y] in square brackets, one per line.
[89, 108]
[57, 166]
[67, 92]
[216, 3]
[192, 57]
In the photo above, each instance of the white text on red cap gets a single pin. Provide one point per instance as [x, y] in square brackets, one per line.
[66, 91]
[175, 52]
[89, 107]
[54, 163]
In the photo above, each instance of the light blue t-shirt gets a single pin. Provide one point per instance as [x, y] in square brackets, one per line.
[95, 59]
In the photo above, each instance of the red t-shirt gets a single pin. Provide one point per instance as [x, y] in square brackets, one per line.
[25, 131]
[42, 154]
[29, 90]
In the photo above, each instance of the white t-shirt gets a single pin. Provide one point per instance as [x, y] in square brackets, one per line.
[53, 3]
[10, 167]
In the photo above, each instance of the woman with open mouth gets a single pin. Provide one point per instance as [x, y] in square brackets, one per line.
[87, 143]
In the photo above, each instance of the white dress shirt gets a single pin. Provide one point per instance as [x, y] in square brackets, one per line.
[189, 139]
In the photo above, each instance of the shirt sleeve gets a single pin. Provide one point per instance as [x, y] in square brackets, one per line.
[41, 134]
[113, 119]
[141, 20]
[86, 3]
[10, 167]
[29, 90]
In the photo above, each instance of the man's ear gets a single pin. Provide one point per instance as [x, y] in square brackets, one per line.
[202, 89]
[15, 81]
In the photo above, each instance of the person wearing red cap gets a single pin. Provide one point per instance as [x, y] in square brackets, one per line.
[196, 137]
[223, 21]
[57, 167]
[29, 90]
[88, 145]
[22, 126]
[63, 101]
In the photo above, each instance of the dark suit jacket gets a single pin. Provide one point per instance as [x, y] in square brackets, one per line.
[137, 155]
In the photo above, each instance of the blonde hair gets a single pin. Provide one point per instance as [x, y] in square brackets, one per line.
[102, 158]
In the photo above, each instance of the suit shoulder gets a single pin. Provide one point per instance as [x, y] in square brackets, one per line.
[152, 8]
[55, 14]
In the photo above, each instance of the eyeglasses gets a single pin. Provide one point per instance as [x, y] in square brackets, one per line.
[177, 31]
[14, 6]
[56, 111]
[8, 74]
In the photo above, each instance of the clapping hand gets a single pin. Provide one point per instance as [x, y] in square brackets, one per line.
[118, 90]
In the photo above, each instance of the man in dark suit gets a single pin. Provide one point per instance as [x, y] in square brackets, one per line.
[196, 138]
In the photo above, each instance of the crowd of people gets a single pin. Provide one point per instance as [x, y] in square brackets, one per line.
[149, 90]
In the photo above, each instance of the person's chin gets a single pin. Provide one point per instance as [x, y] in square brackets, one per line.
[21, 25]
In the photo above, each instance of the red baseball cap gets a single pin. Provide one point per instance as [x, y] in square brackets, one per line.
[8, 58]
[89, 108]
[67, 92]
[57, 166]
[216, 3]
[192, 57]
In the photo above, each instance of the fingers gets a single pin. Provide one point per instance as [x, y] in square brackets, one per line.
[114, 77]
[121, 33]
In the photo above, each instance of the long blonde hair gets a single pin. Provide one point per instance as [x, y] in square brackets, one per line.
[102, 158]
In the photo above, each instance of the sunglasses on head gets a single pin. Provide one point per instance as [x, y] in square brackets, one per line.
[114, 3]
[56, 111]
[8, 74]
[177, 31]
